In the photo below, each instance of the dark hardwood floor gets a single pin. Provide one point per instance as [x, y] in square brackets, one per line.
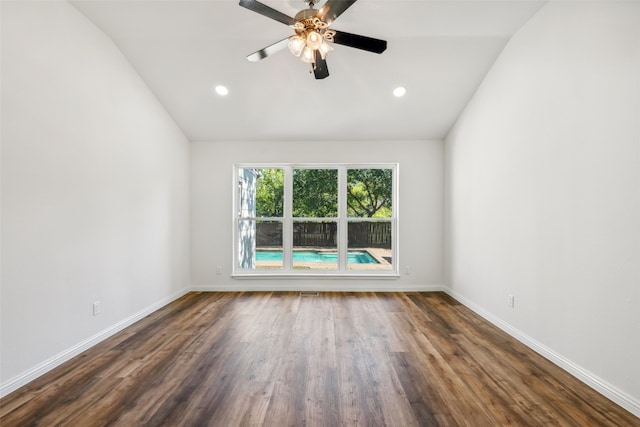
[336, 359]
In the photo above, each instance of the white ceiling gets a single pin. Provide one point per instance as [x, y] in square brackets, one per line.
[438, 50]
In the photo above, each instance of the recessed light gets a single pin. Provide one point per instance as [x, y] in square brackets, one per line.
[222, 90]
[399, 91]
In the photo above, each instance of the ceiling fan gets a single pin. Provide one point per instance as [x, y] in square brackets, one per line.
[312, 34]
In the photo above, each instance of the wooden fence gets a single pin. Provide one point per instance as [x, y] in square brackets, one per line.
[369, 235]
[325, 234]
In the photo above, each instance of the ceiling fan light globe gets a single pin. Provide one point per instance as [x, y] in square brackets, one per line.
[308, 55]
[324, 49]
[314, 40]
[296, 45]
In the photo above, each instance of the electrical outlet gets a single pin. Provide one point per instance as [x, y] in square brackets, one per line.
[407, 270]
[512, 301]
[96, 308]
[218, 270]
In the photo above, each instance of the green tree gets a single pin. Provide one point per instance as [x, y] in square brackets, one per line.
[369, 193]
[315, 193]
[270, 193]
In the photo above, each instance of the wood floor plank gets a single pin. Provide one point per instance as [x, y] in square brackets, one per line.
[335, 359]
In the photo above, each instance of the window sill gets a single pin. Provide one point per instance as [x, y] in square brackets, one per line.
[324, 275]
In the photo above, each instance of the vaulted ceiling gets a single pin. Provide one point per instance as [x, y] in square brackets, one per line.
[439, 50]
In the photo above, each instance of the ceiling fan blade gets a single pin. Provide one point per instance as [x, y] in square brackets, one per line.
[267, 11]
[360, 42]
[320, 70]
[332, 9]
[269, 50]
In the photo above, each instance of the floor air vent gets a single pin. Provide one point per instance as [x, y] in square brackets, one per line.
[309, 293]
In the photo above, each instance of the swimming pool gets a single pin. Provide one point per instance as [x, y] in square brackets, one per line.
[353, 257]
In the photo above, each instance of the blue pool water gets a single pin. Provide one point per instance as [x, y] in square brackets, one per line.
[353, 257]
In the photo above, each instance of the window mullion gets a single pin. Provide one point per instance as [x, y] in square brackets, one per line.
[287, 229]
[342, 219]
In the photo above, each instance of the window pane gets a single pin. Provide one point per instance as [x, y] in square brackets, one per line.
[259, 244]
[369, 193]
[269, 244]
[315, 193]
[260, 192]
[246, 244]
[246, 193]
[315, 245]
[369, 245]
[270, 193]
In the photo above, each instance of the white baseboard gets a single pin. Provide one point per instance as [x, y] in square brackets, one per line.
[44, 367]
[347, 286]
[601, 386]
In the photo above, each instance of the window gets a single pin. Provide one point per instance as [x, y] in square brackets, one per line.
[315, 220]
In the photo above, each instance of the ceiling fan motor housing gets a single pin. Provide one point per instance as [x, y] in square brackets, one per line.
[308, 22]
[305, 14]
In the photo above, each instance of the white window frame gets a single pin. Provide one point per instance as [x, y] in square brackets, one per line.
[342, 222]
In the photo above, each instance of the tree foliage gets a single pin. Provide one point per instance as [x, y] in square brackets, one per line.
[315, 193]
[270, 193]
[369, 193]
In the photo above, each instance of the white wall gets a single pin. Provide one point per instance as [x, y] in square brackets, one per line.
[543, 192]
[421, 214]
[95, 193]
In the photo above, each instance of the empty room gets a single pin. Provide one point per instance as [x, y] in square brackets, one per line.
[332, 213]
